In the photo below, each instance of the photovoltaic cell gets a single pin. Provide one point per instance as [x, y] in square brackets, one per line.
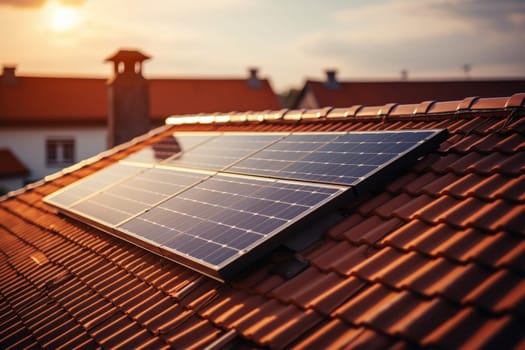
[221, 217]
[135, 194]
[212, 200]
[169, 147]
[97, 181]
[344, 159]
[224, 150]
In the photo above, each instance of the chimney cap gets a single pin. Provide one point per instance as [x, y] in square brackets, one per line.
[8, 76]
[9, 67]
[127, 55]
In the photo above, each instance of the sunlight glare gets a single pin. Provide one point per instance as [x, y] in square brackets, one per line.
[63, 18]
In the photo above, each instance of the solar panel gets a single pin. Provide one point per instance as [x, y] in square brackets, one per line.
[332, 158]
[215, 202]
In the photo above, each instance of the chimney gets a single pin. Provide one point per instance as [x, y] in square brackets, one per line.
[128, 97]
[253, 79]
[331, 80]
[404, 74]
[9, 75]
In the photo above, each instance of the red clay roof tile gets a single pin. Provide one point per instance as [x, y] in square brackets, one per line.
[335, 334]
[370, 298]
[398, 184]
[495, 333]
[372, 268]
[394, 274]
[490, 296]
[423, 319]
[499, 215]
[337, 230]
[343, 257]
[403, 237]
[404, 209]
[512, 190]
[194, 333]
[371, 230]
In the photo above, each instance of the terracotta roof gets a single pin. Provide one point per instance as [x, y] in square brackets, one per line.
[185, 96]
[11, 165]
[371, 93]
[44, 101]
[436, 258]
[37, 100]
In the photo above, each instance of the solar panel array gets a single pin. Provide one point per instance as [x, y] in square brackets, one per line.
[213, 201]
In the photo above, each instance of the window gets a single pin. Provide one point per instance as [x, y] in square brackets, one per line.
[60, 151]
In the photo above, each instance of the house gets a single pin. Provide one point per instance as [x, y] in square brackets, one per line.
[53, 122]
[433, 257]
[335, 93]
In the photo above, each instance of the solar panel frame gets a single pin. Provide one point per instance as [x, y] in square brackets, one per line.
[251, 251]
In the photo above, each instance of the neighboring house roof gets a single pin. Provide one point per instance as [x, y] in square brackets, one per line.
[83, 101]
[48, 101]
[10, 165]
[185, 96]
[435, 258]
[373, 93]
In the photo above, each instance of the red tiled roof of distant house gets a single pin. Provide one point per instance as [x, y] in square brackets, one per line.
[373, 93]
[42, 100]
[186, 96]
[10, 164]
[83, 101]
[436, 258]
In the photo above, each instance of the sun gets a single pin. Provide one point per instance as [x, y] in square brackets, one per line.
[63, 18]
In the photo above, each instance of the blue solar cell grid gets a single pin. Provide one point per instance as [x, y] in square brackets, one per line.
[224, 150]
[135, 194]
[97, 181]
[223, 216]
[344, 159]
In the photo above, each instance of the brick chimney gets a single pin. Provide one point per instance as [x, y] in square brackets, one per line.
[331, 79]
[128, 97]
[9, 75]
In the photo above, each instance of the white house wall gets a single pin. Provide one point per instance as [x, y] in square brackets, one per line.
[29, 145]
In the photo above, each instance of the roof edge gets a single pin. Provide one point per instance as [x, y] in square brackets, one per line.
[467, 105]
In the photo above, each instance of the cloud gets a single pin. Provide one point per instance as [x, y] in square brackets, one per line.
[431, 36]
[38, 3]
[23, 3]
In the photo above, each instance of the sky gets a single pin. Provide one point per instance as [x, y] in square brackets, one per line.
[288, 40]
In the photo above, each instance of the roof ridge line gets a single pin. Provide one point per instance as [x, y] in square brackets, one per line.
[358, 112]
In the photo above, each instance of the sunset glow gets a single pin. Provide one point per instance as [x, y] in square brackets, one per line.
[62, 18]
[289, 43]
